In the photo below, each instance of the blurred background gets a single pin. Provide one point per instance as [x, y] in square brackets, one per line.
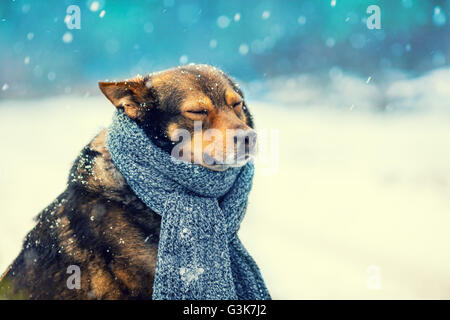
[351, 196]
[252, 41]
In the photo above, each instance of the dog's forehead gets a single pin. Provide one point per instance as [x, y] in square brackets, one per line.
[196, 82]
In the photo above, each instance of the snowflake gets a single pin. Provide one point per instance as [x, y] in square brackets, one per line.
[190, 274]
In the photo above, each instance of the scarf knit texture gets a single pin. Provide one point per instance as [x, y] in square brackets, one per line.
[200, 256]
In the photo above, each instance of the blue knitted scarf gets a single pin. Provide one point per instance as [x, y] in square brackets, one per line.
[200, 255]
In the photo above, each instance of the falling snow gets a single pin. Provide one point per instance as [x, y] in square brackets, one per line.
[243, 49]
[223, 22]
[95, 5]
[301, 20]
[266, 15]
[184, 233]
[184, 59]
[213, 43]
[67, 37]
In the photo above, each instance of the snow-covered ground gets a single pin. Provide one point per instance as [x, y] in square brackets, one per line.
[357, 206]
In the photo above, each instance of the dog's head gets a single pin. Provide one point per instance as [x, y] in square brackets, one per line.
[195, 112]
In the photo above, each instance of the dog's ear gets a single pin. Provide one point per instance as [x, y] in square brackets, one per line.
[133, 95]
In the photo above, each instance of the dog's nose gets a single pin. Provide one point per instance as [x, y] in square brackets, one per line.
[245, 142]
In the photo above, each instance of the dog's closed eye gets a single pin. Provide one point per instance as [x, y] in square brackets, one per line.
[201, 111]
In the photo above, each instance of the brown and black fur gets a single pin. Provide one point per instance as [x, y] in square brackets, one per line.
[98, 223]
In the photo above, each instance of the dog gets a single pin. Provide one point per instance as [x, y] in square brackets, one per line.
[98, 226]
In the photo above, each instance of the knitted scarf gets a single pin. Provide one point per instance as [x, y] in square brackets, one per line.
[200, 255]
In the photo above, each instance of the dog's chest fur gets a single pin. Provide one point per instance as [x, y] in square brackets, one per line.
[97, 224]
